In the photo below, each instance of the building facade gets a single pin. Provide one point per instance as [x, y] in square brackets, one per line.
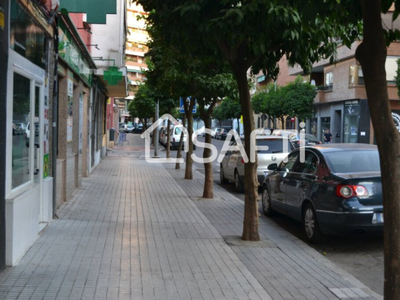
[136, 49]
[28, 180]
[4, 44]
[53, 107]
[341, 104]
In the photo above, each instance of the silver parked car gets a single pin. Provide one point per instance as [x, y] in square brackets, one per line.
[232, 166]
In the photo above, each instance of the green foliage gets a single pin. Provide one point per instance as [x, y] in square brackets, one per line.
[274, 102]
[144, 104]
[258, 101]
[256, 32]
[218, 113]
[294, 99]
[228, 109]
[298, 99]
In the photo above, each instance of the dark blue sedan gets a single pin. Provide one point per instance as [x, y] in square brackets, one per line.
[330, 188]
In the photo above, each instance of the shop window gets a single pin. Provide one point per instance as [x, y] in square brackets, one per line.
[21, 158]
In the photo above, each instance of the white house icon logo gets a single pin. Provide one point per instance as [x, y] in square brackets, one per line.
[146, 135]
[227, 146]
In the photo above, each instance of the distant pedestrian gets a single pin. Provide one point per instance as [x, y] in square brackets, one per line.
[327, 137]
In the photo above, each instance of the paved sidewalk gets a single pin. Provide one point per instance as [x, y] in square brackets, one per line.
[139, 231]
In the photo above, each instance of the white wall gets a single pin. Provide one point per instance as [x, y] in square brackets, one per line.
[22, 224]
[110, 38]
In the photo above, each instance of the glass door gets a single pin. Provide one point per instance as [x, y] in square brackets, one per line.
[351, 117]
[24, 106]
[325, 125]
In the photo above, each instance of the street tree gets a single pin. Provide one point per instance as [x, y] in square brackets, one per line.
[258, 102]
[298, 99]
[231, 109]
[204, 76]
[143, 105]
[210, 88]
[171, 73]
[251, 35]
[274, 105]
[218, 114]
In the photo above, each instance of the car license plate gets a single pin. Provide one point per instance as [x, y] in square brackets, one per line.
[377, 218]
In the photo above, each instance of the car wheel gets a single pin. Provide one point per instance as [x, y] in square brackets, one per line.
[222, 176]
[266, 203]
[311, 228]
[238, 184]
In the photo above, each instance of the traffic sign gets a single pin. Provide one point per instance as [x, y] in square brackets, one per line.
[182, 107]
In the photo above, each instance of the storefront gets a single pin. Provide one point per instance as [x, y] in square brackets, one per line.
[3, 133]
[75, 80]
[28, 187]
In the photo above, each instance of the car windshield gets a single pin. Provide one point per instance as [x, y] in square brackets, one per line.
[354, 161]
[274, 145]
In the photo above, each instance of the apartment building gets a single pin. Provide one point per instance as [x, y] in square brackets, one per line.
[136, 49]
[341, 104]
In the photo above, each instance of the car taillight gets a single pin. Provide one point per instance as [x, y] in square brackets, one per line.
[347, 191]
[242, 161]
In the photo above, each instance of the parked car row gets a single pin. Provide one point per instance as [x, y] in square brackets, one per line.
[232, 165]
[219, 133]
[175, 136]
[131, 127]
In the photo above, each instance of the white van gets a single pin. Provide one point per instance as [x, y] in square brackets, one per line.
[175, 137]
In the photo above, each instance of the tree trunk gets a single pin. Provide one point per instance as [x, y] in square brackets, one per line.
[250, 223]
[189, 118]
[208, 189]
[179, 152]
[372, 55]
[168, 139]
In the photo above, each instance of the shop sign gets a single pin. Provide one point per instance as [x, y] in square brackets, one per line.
[69, 51]
[96, 10]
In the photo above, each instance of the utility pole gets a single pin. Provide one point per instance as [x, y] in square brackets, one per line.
[156, 131]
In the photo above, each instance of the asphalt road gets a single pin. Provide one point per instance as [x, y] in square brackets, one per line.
[360, 255]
